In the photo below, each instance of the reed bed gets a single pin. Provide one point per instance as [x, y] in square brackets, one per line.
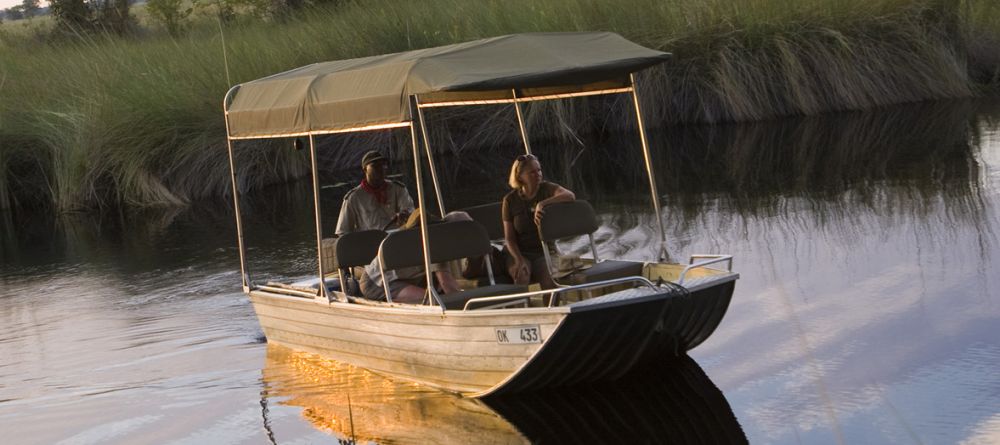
[105, 122]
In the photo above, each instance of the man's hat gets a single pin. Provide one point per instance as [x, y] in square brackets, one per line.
[370, 157]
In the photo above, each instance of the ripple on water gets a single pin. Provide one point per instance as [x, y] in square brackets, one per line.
[866, 309]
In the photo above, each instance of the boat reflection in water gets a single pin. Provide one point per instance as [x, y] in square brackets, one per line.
[354, 403]
[674, 401]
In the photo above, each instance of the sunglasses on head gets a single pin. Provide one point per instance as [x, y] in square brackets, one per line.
[523, 158]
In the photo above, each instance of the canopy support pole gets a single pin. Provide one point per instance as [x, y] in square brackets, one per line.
[319, 218]
[520, 123]
[418, 122]
[236, 197]
[430, 157]
[662, 254]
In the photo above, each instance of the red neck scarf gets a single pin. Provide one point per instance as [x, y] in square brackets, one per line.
[380, 193]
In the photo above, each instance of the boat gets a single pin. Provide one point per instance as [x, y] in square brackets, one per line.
[606, 318]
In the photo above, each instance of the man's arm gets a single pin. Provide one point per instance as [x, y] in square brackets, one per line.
[346, 222]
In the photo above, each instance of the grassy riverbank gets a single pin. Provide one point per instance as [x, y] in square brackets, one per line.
[105, 122]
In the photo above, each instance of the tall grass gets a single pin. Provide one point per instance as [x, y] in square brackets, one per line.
[104, 121]
[983, 30]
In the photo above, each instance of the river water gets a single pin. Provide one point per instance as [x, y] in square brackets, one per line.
[868, 308]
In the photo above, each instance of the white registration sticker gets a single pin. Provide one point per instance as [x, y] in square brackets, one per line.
[519, 335]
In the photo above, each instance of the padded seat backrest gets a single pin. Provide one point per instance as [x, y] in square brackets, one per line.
[566, 219]
[489, 215]
[448, 241]
[358, 248]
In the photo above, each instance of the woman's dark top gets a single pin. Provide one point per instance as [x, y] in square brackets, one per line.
[521, 212]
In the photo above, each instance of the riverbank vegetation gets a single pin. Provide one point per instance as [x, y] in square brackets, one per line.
[100, 120]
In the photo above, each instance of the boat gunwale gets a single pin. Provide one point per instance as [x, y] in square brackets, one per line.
[712, 280]
[437, 311]
[417, 310]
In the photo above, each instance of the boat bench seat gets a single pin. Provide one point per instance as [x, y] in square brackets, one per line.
[355, 249]
[457, 300]
[448, 241]
[577, 218]
[606, 270]
[489, 215]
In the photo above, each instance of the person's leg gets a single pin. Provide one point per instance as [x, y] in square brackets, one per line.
[374, 291]
[516, 274]
[540, 273]
[370, 289]
[408, 294]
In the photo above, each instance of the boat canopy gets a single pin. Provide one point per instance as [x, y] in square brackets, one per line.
[373, 92]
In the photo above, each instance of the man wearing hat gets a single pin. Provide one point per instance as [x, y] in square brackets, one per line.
[376, 203]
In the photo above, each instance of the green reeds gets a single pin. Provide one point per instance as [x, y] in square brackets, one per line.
[103, 121]
[982, 29]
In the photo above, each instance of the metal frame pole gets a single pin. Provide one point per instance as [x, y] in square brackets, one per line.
[417, 121]
[236, 195]
[381, 271]
[430, 157]
[520, 123]
[649, 168]
[319, 218]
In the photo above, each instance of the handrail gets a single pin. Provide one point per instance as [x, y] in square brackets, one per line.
[286, 291]
[641, 280]
[714, 259]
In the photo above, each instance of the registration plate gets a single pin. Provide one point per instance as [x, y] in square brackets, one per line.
[519, 335]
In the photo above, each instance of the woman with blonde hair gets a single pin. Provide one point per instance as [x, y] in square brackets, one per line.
[523, 209]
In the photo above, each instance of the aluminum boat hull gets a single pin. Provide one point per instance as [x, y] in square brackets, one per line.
[598, 339]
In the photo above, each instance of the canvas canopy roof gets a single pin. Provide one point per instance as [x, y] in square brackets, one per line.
[332, 96]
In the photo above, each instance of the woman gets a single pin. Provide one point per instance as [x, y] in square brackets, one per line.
[523, 209]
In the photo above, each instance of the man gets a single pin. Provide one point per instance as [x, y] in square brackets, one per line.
[376, 203]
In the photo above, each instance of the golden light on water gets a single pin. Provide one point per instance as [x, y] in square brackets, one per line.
[334, 396]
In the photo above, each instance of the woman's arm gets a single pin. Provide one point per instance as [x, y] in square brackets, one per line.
[561, 194]
[448, 283]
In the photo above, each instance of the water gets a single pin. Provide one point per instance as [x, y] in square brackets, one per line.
[867, 308]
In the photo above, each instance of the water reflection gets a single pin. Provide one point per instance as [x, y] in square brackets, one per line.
[674, 401]
[839, 175]
[912, 164]
[866, 311]
[353, 403]
[923, 143]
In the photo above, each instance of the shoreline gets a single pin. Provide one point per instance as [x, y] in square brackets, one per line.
[138, 123]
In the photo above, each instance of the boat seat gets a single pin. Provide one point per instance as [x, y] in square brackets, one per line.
[606, 270]
[457, 300]
[448, 241]
[577, 218]
[489, 215]
[355, 249]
